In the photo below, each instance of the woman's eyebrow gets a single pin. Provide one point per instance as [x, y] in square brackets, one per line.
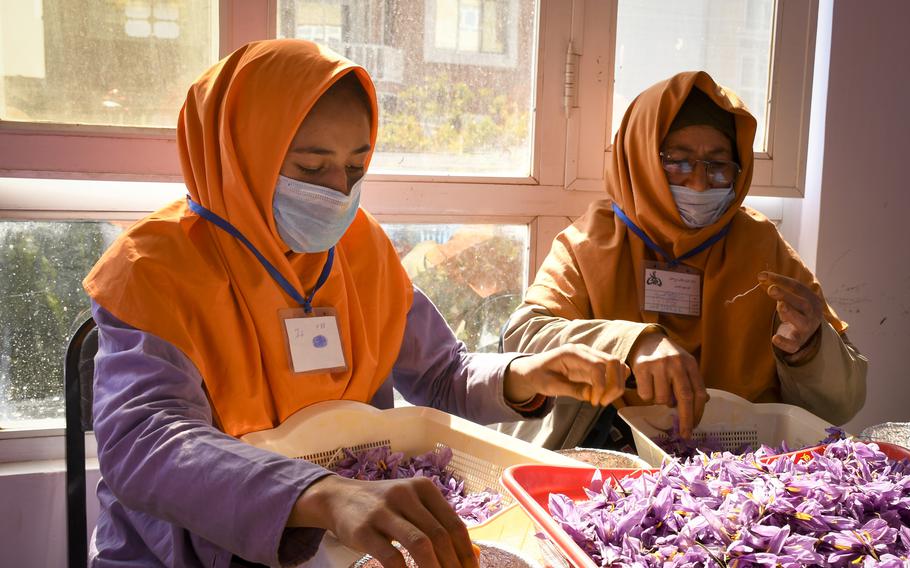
[683, 148]
[319, 150]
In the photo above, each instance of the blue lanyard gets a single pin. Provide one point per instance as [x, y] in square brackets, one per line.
[656, 248]
[223, 224]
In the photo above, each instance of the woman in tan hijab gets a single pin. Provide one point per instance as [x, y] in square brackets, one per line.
[658, 273]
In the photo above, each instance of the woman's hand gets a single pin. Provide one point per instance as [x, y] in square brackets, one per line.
[577, 371]
[800, 311]
[368, 515]
[668, 374]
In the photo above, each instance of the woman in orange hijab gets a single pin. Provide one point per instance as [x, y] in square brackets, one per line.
[674, 276]
[265, 291]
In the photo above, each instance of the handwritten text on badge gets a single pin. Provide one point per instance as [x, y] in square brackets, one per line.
[672, 292]
[315, 343]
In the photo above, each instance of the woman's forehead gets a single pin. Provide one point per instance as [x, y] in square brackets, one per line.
[698, 138]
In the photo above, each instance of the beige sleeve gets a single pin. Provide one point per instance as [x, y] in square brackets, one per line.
[832, 385]
[533, 329]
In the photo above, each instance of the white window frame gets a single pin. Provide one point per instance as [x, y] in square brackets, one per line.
[780, 171]
[92, 172]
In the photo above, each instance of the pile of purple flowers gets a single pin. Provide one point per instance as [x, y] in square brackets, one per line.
[675, 445]
[383, 463]
[846, 506]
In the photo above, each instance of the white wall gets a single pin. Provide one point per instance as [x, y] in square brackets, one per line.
[862, 257]
[33, 506]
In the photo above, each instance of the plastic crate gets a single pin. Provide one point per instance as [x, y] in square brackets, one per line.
[729, 419]
[479, 454]
[531, 485]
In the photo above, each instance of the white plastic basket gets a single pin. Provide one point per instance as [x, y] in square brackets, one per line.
[729, 419]
[479, 454]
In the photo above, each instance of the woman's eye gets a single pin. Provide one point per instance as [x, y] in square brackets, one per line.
[310, 170]
[355, 168]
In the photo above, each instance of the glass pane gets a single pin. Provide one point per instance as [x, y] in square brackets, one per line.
[454, 77]
[730, 39]
[475, 274]
[42, 265]
[111, 62]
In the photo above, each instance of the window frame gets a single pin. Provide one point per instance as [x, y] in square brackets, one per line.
[780, 171]
[68, 172]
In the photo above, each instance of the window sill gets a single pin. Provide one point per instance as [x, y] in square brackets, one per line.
[38, 441]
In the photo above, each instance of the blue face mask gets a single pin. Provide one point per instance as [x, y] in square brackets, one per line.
[701, 208]
[312, 218]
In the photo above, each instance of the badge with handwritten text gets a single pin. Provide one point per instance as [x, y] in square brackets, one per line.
[672, 289]
[313, 341]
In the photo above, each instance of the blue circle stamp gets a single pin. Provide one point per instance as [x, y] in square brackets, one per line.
[320, 341]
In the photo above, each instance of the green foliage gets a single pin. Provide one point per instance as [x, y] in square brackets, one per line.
[441, 117]
[477, 288]
[41, 269]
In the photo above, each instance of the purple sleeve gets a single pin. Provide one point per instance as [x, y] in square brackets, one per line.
[165, 463]
[435, 369]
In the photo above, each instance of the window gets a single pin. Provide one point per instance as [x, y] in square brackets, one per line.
[460, 31]
[439, 115]
[496, 124]
[42, 264]
[475, 274]
[114, 63]
[762, 49]
[655, 39]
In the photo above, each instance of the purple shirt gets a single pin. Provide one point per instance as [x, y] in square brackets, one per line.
[176, 491]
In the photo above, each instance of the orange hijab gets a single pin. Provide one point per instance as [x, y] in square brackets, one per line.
[596, 265]
[179, 277]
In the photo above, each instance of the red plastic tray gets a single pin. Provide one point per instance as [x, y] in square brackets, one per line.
[531, 486]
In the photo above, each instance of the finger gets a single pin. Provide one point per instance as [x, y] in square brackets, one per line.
[617, 372]
[787, 338]
[662, 387]
[794, 302]
[414, 541]
[700, 393]
[454, 530]
[588, 367]
[773, 278]
[380, 547]
[685, 397]
[645, 382]
[439, 538]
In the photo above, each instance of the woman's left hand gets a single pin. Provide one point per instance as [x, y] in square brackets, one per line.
[800, 311]
[577, 371]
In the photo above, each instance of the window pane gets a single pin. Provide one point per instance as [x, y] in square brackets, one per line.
[454, 77]
[42, 265]
[730, 39]
[475, 274]
[112, 62]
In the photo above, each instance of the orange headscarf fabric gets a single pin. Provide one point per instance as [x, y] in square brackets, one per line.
[179, 277]
[595, 268]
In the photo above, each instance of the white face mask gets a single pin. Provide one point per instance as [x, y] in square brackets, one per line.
[310, 217]
[701, 208]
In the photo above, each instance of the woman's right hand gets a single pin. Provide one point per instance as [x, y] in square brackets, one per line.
[369, 515]
[668, 374]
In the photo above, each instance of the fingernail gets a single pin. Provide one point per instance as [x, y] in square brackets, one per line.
[762, 275]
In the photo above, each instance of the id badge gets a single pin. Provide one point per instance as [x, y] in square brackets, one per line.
[671, 289]
[313, 341]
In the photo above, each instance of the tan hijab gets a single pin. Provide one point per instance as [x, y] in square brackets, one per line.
[179, 277]
[595, 269]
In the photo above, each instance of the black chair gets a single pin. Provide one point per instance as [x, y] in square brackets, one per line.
[78, 373]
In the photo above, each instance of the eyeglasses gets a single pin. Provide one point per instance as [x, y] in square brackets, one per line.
[720, 173]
